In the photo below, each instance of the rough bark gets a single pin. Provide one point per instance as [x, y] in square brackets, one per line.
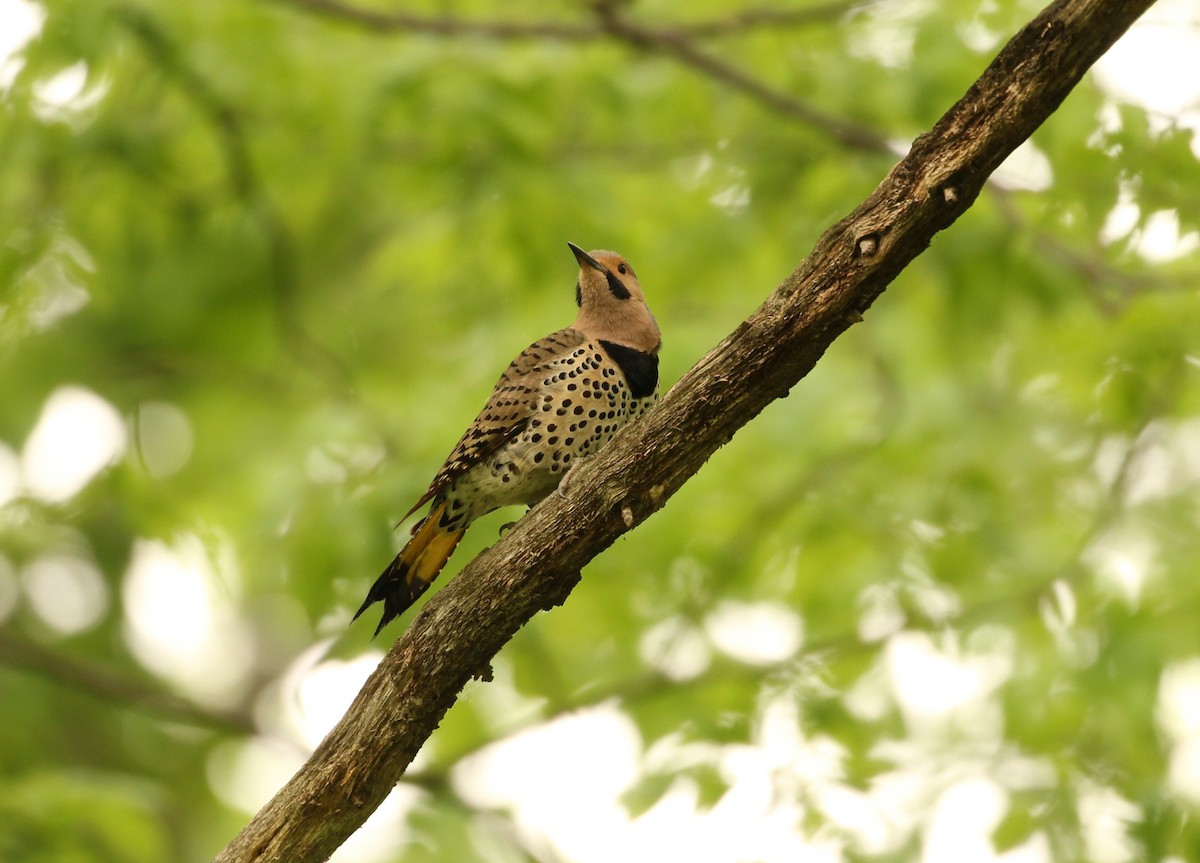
[538, 563]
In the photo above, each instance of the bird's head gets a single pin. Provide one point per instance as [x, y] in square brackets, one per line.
[611, 303]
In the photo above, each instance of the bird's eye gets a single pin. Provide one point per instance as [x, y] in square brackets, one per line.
[621, 268]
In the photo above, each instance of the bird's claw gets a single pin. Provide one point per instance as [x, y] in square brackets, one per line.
[509, 525]
[563, 488]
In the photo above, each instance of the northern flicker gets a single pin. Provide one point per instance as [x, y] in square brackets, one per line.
[561, 399]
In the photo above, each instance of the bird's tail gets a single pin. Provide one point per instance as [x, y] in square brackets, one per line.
[414, 569]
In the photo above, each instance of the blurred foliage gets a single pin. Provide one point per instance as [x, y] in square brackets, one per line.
[294, 252]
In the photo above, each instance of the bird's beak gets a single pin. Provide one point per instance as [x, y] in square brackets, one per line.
[584, 258]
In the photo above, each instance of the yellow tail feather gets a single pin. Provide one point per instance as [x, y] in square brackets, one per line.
[414, 569]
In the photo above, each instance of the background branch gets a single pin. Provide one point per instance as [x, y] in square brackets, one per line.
[1111, 287]
[96, 681]
[535, 566]
[451, 25]
[769, 18]
[247, 186]
[675, 41]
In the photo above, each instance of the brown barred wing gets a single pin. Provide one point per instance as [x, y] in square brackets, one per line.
[513, 402]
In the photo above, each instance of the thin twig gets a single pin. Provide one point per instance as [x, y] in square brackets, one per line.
[446, 25]
[451, 25]
[676, 41]
[113, 687]
[1096, 273]
[246, 186]
[770, 18]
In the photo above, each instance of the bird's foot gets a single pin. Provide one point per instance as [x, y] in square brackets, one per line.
[564, 487]
[509, 525]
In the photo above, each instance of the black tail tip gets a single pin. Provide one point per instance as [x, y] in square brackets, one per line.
[384, 619]
[387, 617]
[394, 591]
[390, 609]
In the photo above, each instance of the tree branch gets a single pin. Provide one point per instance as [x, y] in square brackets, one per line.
[537, 564]
[675, 41]
[1110, 287]
[111, 686]
[247, 187]
[770, 18]
[451, 25]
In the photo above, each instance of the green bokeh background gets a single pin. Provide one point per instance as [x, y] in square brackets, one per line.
[321, 242]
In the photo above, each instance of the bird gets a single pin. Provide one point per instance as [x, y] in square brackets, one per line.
[558, 402]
